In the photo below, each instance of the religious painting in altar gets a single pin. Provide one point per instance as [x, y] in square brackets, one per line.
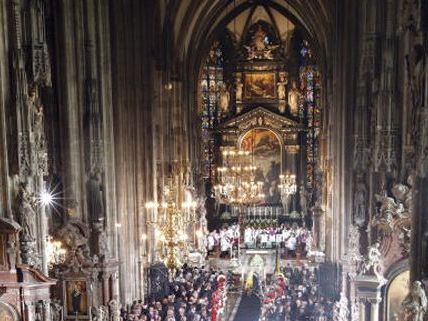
[397, 292]
[259, 85]
[76, 295]
[266, 149]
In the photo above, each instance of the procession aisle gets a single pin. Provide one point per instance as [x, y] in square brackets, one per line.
[249, 309]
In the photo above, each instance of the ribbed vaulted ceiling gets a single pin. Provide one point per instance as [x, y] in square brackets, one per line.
[196, 22]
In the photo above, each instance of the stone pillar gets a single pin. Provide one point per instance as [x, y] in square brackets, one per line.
[419, 242]
[362, 308]
[70, 99]
[368, 294]
[43, 232]
[106, 288]
[374, 309]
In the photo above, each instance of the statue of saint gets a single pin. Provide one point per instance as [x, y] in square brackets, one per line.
[415, 305]
[239, 89]
[26, 212]
[360, 204]
[258, 40]
[293, 99]
[95, 196]
[374, 255]
[281, 86]
[224, 100]
[374, 262]
[38, 126]
[102, 242]
[260, 47]
[31, 102]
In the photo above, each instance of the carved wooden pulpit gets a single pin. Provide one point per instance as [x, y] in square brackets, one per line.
[24, 291]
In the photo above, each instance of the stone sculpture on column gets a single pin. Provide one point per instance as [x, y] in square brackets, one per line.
[27, 219]
[293, 99]
[224, 100]
[415, 305]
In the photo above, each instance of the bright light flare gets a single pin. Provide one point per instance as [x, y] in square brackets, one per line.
[49, 198]
[46, 198]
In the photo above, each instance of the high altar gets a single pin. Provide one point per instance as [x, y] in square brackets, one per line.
[265, 104]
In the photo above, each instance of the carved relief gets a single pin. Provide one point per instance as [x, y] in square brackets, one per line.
[75, 238]
[394, 216]
[353, 254]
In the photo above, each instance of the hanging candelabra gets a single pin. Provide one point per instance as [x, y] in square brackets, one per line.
[287, 188]
[171, 220]
[237, 182]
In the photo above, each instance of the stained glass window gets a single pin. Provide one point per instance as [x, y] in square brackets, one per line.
[211, 83]
[310, 110]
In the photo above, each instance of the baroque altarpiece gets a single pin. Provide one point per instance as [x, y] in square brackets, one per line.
[260, 89]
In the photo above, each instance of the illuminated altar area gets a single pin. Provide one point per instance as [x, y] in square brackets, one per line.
[260, 95]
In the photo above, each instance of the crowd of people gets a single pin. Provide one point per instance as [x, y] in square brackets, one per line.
[224, 240]
[294, 239]
[295, 296]
[195, 294]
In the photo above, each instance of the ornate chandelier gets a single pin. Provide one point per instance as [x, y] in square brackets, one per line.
[171, 219]
[287, 188]
[237, 182]
[55, 253]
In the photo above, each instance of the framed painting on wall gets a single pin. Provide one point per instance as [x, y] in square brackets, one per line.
[260, 85]
[76, 299]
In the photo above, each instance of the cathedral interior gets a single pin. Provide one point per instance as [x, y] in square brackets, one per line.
[213, 160]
